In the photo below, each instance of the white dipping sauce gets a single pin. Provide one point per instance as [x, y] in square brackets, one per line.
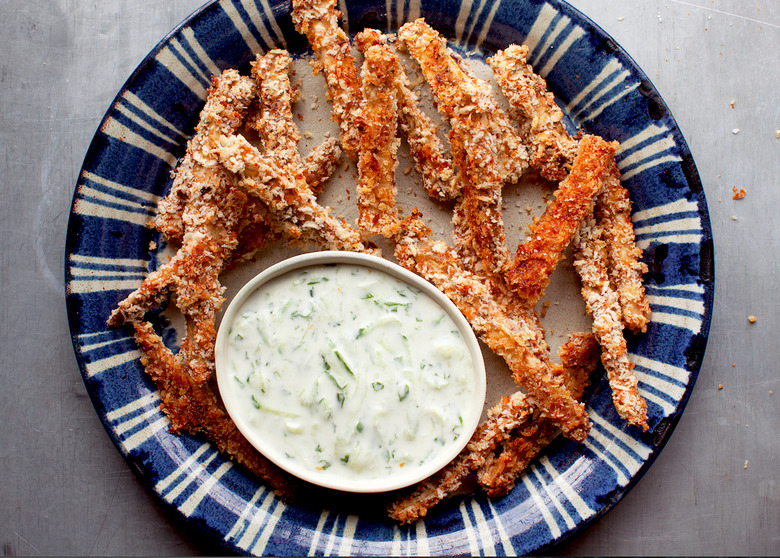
[349, 370]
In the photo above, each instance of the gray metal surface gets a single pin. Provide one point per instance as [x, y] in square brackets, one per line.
[714, 490]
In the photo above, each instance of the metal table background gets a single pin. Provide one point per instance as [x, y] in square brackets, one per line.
[714, 490]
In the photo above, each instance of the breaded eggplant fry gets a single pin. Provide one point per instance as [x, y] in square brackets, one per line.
[193, 274]
[579, 357]
[613, 213]
[288, 198]
[319, 21]
[430, 158]
[603, 305]
[227, 102]
[378, 144]
[552, 149]
[481, 197]
[274, 123]
[536, 259]
[210, 216]
[459, 94]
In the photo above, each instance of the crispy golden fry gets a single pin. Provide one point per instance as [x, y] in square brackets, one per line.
[319, 21]
[482, 229]
[552, 154]
[579, 358]
[430, 159]
[193, 407]
[274, 122]
[459, 94]
[288, 198]
[378, 144]
[227, 103]
[511, 339]
[320, 164]
[552, 149]
[603, 306]
[513, 414]
[613, 213]
[482, 143]
[198, 290]
[278, 134]
[537, 258]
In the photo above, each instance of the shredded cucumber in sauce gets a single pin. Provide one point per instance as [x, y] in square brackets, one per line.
[350, 369]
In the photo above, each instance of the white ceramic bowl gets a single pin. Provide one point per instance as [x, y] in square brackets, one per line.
[269, 445]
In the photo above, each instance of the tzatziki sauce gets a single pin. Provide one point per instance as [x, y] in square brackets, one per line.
[346, 369]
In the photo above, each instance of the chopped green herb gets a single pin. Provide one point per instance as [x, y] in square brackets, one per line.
[341, 359]
[334, 380]
[296, 314]
[262, 407]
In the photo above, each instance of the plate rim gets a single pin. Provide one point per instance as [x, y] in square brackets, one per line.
[692, 179]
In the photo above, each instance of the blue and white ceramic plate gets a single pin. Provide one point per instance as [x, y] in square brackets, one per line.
[127, 169]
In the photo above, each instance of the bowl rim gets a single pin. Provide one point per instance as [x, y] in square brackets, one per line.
[346, 483]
